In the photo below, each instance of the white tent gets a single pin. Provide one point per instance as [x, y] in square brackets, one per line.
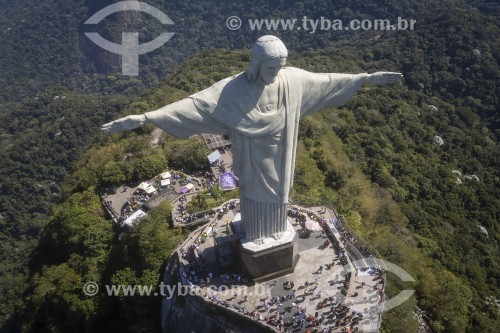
[149, 189]
[313, 225]
[165, 175]
[130, 220]
[165, 182]
[214, 156]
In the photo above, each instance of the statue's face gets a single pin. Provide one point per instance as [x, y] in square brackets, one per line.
[270, 68]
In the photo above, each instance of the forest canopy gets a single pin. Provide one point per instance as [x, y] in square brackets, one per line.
[377, 160]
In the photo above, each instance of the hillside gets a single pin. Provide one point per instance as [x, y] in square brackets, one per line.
[376, 159]
[43, 44]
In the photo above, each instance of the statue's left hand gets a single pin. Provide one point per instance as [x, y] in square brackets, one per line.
[125, 123]
[385, 77]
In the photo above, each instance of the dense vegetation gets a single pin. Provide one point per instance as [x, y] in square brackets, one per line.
[375, 159]
[40, 140]
[80, 244]
[43, 42]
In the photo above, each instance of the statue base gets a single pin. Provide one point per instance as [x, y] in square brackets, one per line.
[269, 259]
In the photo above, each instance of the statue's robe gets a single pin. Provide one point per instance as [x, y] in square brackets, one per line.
[264, 143]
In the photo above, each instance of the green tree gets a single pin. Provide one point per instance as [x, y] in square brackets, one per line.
[56, 302]
[152, 241]
[150, 166]
[216, 193]
[137, 312]
[112, 174]
[200, 200]
[78, 228]
[187, 154]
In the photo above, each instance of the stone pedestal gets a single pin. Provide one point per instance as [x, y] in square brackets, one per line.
[272, 258]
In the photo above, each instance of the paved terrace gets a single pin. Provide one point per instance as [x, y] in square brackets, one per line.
[328, 294]
[117, 199]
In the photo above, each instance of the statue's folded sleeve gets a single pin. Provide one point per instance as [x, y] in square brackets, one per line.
[320, 90]
[183, 119]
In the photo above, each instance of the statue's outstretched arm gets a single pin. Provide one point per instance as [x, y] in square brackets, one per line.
[385, 78]
[125, 123]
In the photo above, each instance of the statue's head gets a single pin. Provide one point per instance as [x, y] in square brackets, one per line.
[268, 57]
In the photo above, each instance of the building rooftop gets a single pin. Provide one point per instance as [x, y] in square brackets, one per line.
[215, 141]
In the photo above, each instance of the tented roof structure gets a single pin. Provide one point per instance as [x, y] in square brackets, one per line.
[136, 215]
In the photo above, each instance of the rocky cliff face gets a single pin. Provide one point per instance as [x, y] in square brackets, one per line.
[191, 314]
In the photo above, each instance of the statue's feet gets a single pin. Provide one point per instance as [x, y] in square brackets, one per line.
[259, 241]
[278, 235]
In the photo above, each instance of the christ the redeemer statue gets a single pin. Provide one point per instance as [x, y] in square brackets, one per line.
[260, 109]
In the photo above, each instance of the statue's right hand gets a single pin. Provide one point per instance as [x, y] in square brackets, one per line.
[125, 123]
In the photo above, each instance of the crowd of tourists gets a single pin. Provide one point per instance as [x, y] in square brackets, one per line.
[285, 311]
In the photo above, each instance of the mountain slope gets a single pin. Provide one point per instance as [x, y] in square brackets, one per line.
[450, 63]
[377, 162]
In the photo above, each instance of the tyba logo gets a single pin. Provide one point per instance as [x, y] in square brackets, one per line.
[129, 49]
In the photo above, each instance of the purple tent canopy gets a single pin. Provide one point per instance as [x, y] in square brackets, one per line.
[187, 188]
[228, 181]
